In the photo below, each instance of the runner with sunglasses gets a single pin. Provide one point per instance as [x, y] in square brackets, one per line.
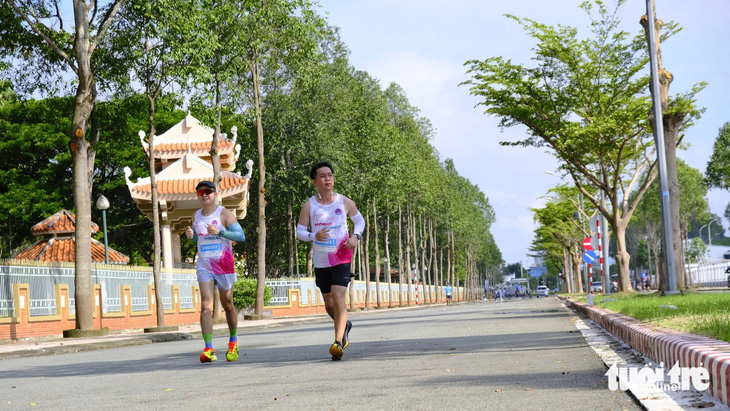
[214, 227]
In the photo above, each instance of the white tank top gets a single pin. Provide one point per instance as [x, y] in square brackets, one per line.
[215, 253]
[332, 251]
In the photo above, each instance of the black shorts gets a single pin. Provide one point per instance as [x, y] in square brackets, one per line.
[448, 296]
[326, 277]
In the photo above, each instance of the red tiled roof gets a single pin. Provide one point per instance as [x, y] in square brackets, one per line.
[62, 221]
[61, 249]
[195, 146]
[187, 185]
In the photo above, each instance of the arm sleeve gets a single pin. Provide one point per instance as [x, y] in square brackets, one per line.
[304, 234]
[234, 233]
[359, 223]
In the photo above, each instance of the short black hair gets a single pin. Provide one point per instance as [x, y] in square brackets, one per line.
[313, 171]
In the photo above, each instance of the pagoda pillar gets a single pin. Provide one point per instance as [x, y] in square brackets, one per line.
[168, 264]
[176, 248]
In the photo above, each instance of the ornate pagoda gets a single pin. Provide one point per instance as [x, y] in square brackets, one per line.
[58, 241]
[182, 160]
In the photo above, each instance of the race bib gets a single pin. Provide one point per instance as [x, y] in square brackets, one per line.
[210, 247]
[329, 245]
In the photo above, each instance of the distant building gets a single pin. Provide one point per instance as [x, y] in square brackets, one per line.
[57, 242]
[182, 160]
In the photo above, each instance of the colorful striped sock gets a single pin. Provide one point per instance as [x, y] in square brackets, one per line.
[208, 338]
[234, 335]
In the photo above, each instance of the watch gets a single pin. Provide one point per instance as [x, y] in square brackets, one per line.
[359, 237]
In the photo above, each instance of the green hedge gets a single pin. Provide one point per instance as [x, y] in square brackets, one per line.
[244, 293]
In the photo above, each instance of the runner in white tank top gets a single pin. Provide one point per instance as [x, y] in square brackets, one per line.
[327, 214]
[333, 250]
[213, 229]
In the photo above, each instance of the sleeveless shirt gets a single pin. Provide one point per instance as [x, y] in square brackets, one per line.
[215, 253]
[332, 251]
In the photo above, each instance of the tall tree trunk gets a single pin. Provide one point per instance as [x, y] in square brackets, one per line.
[417, 266]
[449, 279]
[216, 163]
[671, 124]
[424, 263]
[367, 261]
[434, 253]
[261, 223]
[409, 267]
[155, 215]
[386, 245]
[78, 144]
[566, 264]
[289, 238]
[353, 265]
[377, 255]
[622, 256]
[400, 255]
[296, 253]
[455, 281]
[310, 262]
[441, 270]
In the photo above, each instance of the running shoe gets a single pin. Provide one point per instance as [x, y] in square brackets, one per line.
[336, 351]
[208, 355]
[232, 354]
[346, 337]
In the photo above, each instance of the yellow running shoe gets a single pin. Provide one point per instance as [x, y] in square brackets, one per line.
[346, 337]
[232, 354]
[208, 355]
[336, 351]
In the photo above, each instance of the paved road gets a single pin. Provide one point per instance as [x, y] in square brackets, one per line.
[515, 355]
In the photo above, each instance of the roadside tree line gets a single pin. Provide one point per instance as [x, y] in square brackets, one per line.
[586, 100]
[277, 72]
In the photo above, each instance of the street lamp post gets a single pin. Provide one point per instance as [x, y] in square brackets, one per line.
[102, 204]
[661, 159]
[709, 235]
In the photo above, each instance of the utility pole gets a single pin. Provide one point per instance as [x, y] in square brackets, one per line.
[661, 154]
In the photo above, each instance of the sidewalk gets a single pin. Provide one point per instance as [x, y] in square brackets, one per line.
[41, 346]
[58, 345]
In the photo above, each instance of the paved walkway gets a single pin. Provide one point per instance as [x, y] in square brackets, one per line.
[58, 345]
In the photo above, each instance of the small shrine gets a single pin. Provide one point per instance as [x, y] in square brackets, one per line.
[58, 242]
[182, 160]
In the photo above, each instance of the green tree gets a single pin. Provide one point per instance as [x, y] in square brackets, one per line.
[36, 166]
[38, 33]
[674, 119]
[160, 44]
[718, 168]
[270, 34]
[586, 102]
[693, 208]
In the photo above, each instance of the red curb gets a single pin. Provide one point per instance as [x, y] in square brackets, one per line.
[668, 346]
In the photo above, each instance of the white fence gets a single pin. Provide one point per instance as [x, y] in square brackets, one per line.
[41, 281]
[709, 275]
[388, 291]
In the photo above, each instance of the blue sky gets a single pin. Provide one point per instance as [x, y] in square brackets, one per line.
[423, 44]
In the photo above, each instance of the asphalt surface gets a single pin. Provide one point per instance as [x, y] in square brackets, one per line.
[524, 354]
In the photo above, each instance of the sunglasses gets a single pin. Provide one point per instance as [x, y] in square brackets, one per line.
[205, 192]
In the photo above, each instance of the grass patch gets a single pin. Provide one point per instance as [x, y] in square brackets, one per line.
[702, 314]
